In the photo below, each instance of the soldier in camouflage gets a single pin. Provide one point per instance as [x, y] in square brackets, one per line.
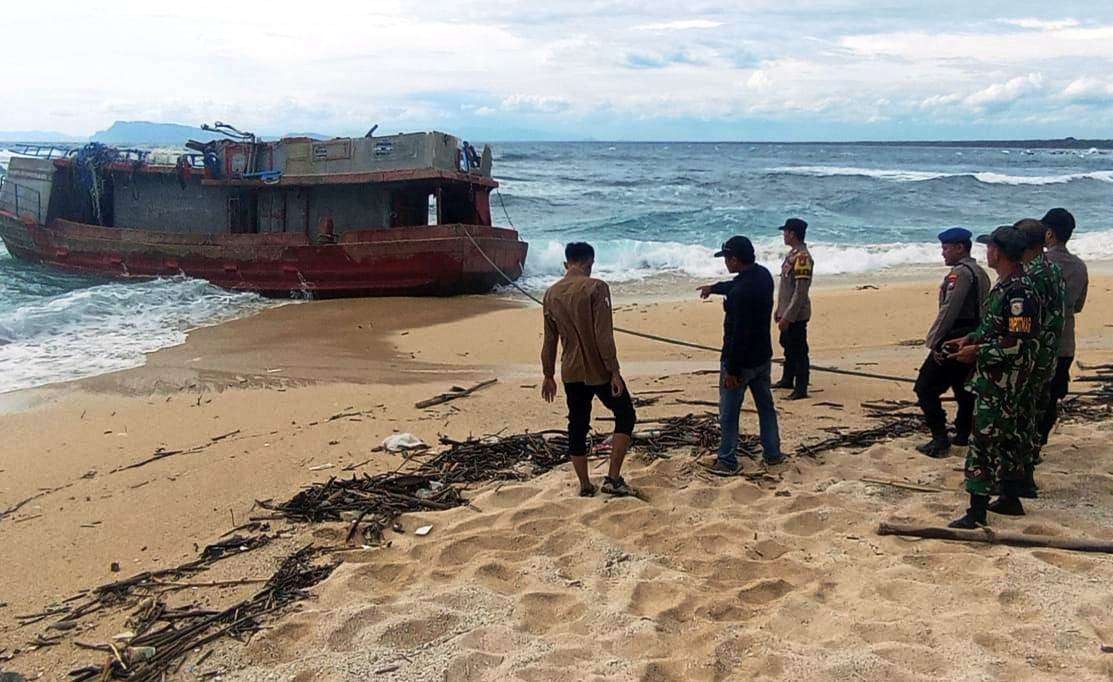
[1047, 281]
[1003, 351]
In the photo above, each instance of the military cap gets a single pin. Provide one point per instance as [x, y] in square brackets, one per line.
[955, 235]
[1007, 238]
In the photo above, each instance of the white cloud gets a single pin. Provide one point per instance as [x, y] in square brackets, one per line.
[538, 104]
[1042, 24]
[1088, 90]
[442, 63]
[679, 25]
[759, 80]
[1005, 93]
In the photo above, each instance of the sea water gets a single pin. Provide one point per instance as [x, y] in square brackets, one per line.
[650, 209]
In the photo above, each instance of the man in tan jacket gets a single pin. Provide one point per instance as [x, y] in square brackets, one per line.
[577, 311]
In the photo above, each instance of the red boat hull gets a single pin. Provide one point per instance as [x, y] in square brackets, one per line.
[429, 260]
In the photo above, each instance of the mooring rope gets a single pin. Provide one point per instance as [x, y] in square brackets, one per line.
[679, 342]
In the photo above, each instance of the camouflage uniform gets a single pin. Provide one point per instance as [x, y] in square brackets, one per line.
[1046, 280]
[1009, 343]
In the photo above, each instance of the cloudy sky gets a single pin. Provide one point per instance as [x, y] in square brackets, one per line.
[568, 69]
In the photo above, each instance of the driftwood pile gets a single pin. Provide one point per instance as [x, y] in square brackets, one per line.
[897, 419]
[1096, 403]
[161, 637]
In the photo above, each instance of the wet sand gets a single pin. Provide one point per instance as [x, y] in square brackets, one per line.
[711, 579]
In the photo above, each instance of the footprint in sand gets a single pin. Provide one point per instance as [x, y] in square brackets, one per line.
[351, 627]
[807, 523]
[765, 591]
[471, 667]
[417, 631]
[1065, 560]
[660, 599]
[542, 612]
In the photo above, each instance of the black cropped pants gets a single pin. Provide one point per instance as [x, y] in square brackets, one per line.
[580, 396]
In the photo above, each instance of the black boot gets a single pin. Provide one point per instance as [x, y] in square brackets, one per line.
[939, 446]
[975, 516]
[798, 394]
[1027, 488]
[783, 383]
[1009, 502]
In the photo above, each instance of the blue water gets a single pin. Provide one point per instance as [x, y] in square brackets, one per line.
[652, 208]
[648, 208]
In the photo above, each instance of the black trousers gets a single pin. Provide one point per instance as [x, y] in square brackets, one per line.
[580, 396]
[1060, 384]
[933, 381]
[797, 369]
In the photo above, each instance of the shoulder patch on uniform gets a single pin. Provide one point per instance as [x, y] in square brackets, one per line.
[802, 267]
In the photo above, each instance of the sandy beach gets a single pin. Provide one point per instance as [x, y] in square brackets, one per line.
[774, 576]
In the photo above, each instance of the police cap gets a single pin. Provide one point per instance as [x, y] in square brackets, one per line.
[1007, 238]
[955, 235]
[796, 225]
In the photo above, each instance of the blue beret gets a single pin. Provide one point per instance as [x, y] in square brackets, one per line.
[954, 235]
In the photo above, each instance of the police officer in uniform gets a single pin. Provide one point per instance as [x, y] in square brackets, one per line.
[1003, 351]
[794, 309]
[961, 298]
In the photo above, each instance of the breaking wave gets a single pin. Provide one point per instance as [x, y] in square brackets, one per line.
[899, 175]
[51, 331]
[627, 260]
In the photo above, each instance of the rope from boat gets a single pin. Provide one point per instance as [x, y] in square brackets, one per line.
[504, 211]
[679, 342]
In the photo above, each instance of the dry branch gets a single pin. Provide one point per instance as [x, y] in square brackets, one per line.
[992, 537]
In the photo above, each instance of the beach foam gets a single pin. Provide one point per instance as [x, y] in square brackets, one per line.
[899, 175]
[108, 327]
[629, 260]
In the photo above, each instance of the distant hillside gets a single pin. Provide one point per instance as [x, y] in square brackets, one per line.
[145, 132]
[37, 136]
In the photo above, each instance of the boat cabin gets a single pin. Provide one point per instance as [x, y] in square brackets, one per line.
[319, 188]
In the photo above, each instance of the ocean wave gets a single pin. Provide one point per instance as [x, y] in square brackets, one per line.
[108, 327]
[899, 175]
[628, 260]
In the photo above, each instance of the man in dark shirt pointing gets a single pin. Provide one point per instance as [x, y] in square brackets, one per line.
[747, 353]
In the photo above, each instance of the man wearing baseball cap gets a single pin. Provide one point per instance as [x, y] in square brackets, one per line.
[1047, 280]
[1060, 226]
[1003, 351]
[794, 309]
[747, 354]
[961, 296]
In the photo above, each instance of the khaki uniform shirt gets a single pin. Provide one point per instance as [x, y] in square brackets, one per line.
[962, 298]
[1077, 281]
[793, 302]
[577, 310]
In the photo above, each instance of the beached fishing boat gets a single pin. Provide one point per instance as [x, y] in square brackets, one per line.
[405, 214]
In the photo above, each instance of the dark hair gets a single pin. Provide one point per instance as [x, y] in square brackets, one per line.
[578, 252]
[966, 244]
[1060, 222]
